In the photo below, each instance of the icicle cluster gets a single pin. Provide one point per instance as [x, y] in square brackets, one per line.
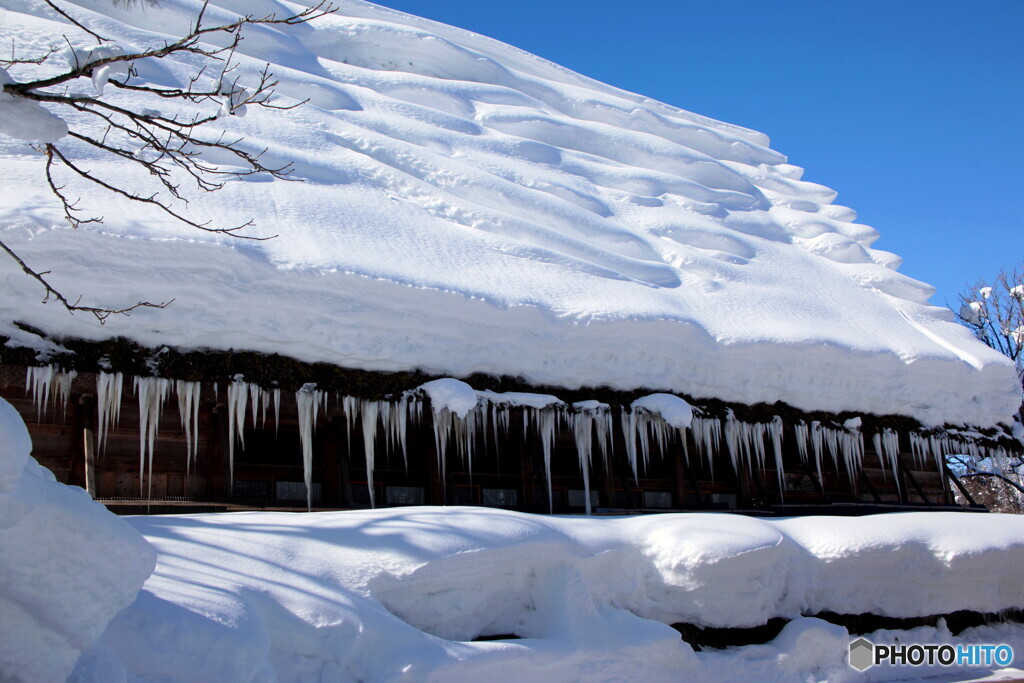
[152, 393]
[108, 404]
[391, 417]
[645, 425]
[46, 383]
[591, 421]
[887, 448]
[188, 409]
[308, 400]
[707, 435]
[241, 395]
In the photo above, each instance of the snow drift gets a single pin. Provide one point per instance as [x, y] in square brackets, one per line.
[467, 207]
[68, 565]
[401, 594]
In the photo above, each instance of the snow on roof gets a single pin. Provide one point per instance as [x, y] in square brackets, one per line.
[468, 207]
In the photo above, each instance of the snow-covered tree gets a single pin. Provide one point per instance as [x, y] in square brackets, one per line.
[994, 311]
[65, 97]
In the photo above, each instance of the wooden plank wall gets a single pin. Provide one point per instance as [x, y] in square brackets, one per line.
[273, 455]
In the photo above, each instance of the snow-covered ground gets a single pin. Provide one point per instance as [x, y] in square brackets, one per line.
[468, 207]
[404, 593]
[400, 593]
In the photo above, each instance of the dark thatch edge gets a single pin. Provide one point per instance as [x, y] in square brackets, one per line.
[857, 624]
[120, 354]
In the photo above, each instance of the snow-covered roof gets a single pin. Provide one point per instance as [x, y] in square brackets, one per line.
[468, 207]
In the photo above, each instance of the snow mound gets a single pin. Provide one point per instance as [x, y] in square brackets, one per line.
[406, 592]
[68, 565]
[467, 207]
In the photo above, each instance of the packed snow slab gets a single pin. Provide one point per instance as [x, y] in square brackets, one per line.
[67, 564]
[468, 207]
[401, 593]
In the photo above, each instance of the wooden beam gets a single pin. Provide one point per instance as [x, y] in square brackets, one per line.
[960, 485]
[909, 475]
[871, 487]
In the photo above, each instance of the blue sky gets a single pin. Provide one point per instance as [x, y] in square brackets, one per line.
[913, 110]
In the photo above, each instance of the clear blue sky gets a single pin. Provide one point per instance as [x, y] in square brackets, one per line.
[913, 110]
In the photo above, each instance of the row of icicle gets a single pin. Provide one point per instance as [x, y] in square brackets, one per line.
[591, 426]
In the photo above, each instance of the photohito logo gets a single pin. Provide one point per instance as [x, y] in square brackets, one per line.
[864, 654]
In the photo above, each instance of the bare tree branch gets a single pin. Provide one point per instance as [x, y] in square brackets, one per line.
[169, 147]
[101, 313]
[994, 312]
[99, 39]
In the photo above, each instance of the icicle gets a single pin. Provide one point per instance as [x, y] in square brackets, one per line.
[940, 446]
[832, 440]
[277, 410]
[188, 409]
[628, 424]
[152, 392]
[62, 382]
[255, 398]
[384, 413]
[891, 446]
[465, 435]
[442, 430]
[641, 421]
[803, 437]
[582, 430]
[38, 380]
[731, 440]
[238, 395]
[108, 405]
[401, 424]
[307, 400]
[265, 405]
[350, 406]
[546, 426]
[370, 411]
[876, 443]
[920, 448]
[755, 436]
[775, 428]
[816, 449]
[216, 393]
[604, 426]
[852, 446]
[707, 434]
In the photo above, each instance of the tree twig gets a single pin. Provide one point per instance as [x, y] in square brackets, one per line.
[101, 313]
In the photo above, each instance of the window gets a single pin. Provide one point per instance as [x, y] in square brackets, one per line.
[296, 490]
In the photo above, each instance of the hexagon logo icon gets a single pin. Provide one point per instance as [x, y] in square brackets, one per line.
[862, 654]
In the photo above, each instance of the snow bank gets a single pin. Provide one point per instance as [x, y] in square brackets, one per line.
[68, 565]
[468, 207]
[24, 119]
[402, 593]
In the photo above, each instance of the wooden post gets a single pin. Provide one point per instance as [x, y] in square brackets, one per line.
[76, 450]
[87, 413]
